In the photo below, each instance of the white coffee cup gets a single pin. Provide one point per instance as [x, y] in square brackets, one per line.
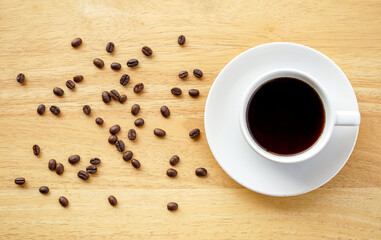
[332, 118]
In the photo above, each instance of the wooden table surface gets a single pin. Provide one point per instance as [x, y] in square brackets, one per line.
[35, 39]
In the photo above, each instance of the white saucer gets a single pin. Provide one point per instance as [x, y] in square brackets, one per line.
[228, 144]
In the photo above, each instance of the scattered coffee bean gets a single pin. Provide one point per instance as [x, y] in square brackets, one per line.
[197, 73]
[44, 189]
[63, 201]
[116, 66]
[74, 159]
[159, 132]
[58, 91]
[124, 79]
[147, 51]
[59, 168]
[201, 172]
[110, 47]
[41, 109]
[20, 78]
[194, 92]
[70, 84]
[174, 160]
[135, 163]
[114, 94]
[98, 62]
[139, 88]
[112, 200]
[181, 40]
[76, 42]
[132, 134]
[183, 74]
[87, 109]
[122, 98]
[114, 129]
[127, 156]
[36, 150]
[112, 139]
[171, 172]
[135, 109]
[132, 63]
[176, 91]
[52, 164]
[95, 161]
[172, 206]
[20, 181]
[83, 175]
[91, 169]
[99, 121]
[55, 110]
[119, 144]
[106, 97]
[195, 133]
[139, 122]
[78, 78]
[164, 111]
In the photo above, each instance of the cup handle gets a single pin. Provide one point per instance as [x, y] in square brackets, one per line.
[347, 118]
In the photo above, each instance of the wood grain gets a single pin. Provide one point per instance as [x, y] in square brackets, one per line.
[35, 39]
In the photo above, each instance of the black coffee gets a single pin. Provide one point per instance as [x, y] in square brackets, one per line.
[285, 116]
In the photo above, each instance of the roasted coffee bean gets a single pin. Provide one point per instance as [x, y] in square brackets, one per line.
[124, 79]
[139, 122]
[171, 172]
[127, 156]
[20, 78]
[76, 42]
[119, 144]
[122, 98]
[197, 73]
[147, 51]
[135, 163]
[20, 181]
[194, 92]
[41, 109]
[95, 161]
[91, 169]
[183, 74]
[59, 168]
[112, 200]
[74, 159]
[114, 94]
[87, 109]
[132, 134]
[52, 164]
[58, 91]
[36, 150]
[114, 129]
[44, 189]
[99, 121]
[116, 66]
[172, 206]
[63, 201]
[112, 139]
[135, 109]
[83, 175]
[78, 78]
[159, 132]
[164, 111]
[55, 110]
[176, 91]
[195, 133]
[139, 88]
[110, 47]
[174, 160]
[106, 97]
[181, 40]
[70, 84]
[132, 63]
[98, 62]
[201, 172]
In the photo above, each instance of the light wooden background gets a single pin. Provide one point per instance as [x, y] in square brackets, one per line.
[35, 39]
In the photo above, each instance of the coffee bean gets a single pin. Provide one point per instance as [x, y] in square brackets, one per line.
[20, 78]
[135, 109]
[76, 42]
[44, 189]
[197, 73]
[171, 172]
[95, 161]
[78, 78]
[176, 91]
[132, 63]
[98, 62]
[114, 129]
[91, 169]
[58, 91]
[110, 47]
[119, 144]
[195, 133]
[83, 175]
[181, 40]
[139, 122]
[183, 74]
[112, 200]
[132, 134]
[36, 150]
[116, 66]
[174, 160]
[99, 121]
[139, 88]
[114, 94]
[127, 156]
[20, 181]
[194, 92]
[112, 139]
[172, 206]
[87, 109]
[106, 97]
[147, 51]
[159, 132]
[201, 172]
[63, 201]
[59, 168]
[164, 111]
[41, 109]
[124, 79]
[70, 84]
[52, 164]
[55, 110]
[122, 98]
[74, 159]
[135, 163]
